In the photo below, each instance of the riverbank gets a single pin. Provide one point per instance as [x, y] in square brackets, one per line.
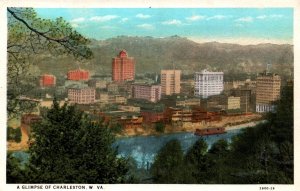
[229, 122]
[244, 125]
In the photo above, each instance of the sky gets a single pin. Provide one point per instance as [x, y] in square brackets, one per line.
[232, 25]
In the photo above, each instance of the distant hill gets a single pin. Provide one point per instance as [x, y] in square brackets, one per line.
[154, 54]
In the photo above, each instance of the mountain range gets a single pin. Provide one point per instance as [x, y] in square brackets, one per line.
[153, 54]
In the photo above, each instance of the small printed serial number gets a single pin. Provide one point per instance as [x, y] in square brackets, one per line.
[266, 188]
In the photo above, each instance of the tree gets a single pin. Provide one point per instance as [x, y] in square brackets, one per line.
[68, 148]
[196, 163]
[13, 171]
[259, 158]
[160, 127]
[18, 135]
[282, 120]
[14, 134]
[217, 155]
[167, 166]
[29, 36]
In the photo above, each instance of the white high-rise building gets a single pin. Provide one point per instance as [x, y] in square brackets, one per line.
[208, 83]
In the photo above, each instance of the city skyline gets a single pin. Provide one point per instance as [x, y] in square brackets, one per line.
[116, 118]
[234, 25]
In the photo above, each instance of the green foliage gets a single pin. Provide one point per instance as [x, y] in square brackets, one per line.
[258, 155]
[283, 119]
[69, 148]
[160, 127]
[117, 128]
[14, 134]
[18, 135]
[28, 37]
[218, 161]
[137, 175]
[13, 171]
[196, 163]
[168, 164]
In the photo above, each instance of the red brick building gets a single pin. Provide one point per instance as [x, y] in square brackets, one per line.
[47, 80]
[78, 75]
[123, 67]
[152, 116]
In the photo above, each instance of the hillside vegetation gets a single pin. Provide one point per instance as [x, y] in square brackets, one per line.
[154, 54]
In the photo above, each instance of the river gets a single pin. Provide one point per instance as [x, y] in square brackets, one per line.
[144, 148]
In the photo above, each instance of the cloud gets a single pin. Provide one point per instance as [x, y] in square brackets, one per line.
[74, 25]
[276, 16]
[78, 20]
[269, 16]
[172, 22]
[145, 26]
[124, 20]
[142, 16]
[244, 19]
[195, 18]
[103, 18]
[217, 17]
[261, 17]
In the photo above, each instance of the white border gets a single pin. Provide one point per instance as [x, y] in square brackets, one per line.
[153, 4]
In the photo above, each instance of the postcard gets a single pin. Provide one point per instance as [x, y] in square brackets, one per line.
[149, 95]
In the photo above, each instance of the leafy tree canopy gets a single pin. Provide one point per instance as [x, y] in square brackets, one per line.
[29, 36]
[168, 163]
[68, 148]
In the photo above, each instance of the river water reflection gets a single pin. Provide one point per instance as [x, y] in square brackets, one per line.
[144, 148]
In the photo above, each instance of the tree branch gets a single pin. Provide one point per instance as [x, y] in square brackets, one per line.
[34, 30]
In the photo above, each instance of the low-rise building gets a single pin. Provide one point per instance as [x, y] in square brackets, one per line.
[188, 102]
[125, 119]
[233, 103]
[78, 75]
[82, 95]
[113, 88]
[152, 116]
[148, 92]
[119, 99]
[129, 108]
[47, 80]
[96, 83]
[106, 98]
[103, 98]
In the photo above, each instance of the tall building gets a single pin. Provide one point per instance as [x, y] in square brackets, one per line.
[267, 91]
[208, 83]
[78, 75]
[47, 80]
[123, 67]
[82, 95]
[148, 92]
[170, 82]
